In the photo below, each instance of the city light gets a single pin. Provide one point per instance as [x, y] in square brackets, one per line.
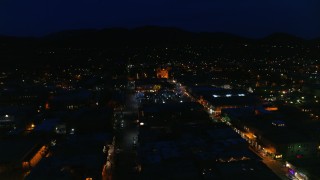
[288, 165]
[215, 103]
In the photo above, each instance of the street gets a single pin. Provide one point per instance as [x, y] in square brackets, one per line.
[127, 140]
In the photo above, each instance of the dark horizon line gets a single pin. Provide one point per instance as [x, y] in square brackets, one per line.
[160, 27]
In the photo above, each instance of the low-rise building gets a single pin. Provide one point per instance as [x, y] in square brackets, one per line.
[271, 133]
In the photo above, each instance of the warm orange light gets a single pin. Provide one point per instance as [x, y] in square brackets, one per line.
[271, 108]
[47, 106]
[38, 156]
[270, 150]
[250, 135]
[162, 73]
[25, 165]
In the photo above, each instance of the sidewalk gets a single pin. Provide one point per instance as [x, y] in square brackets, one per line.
[276, 166]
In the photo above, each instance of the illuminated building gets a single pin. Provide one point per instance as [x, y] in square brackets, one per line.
[7, 121]
[150, 85]
[163, 73]
[219, 98]
[273, 137]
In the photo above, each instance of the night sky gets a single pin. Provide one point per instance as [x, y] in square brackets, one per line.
[251, 18]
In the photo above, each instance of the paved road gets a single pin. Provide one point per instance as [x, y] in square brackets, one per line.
[276, 166]
[126, 141]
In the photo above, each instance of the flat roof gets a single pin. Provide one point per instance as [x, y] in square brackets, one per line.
[185, 106]
[79, 156]
[47, 125]
[263, 124]
[244, 169]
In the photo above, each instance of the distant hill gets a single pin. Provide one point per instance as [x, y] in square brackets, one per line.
[69, 34]
[120, 43]
[146, 35]
[282, 38]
